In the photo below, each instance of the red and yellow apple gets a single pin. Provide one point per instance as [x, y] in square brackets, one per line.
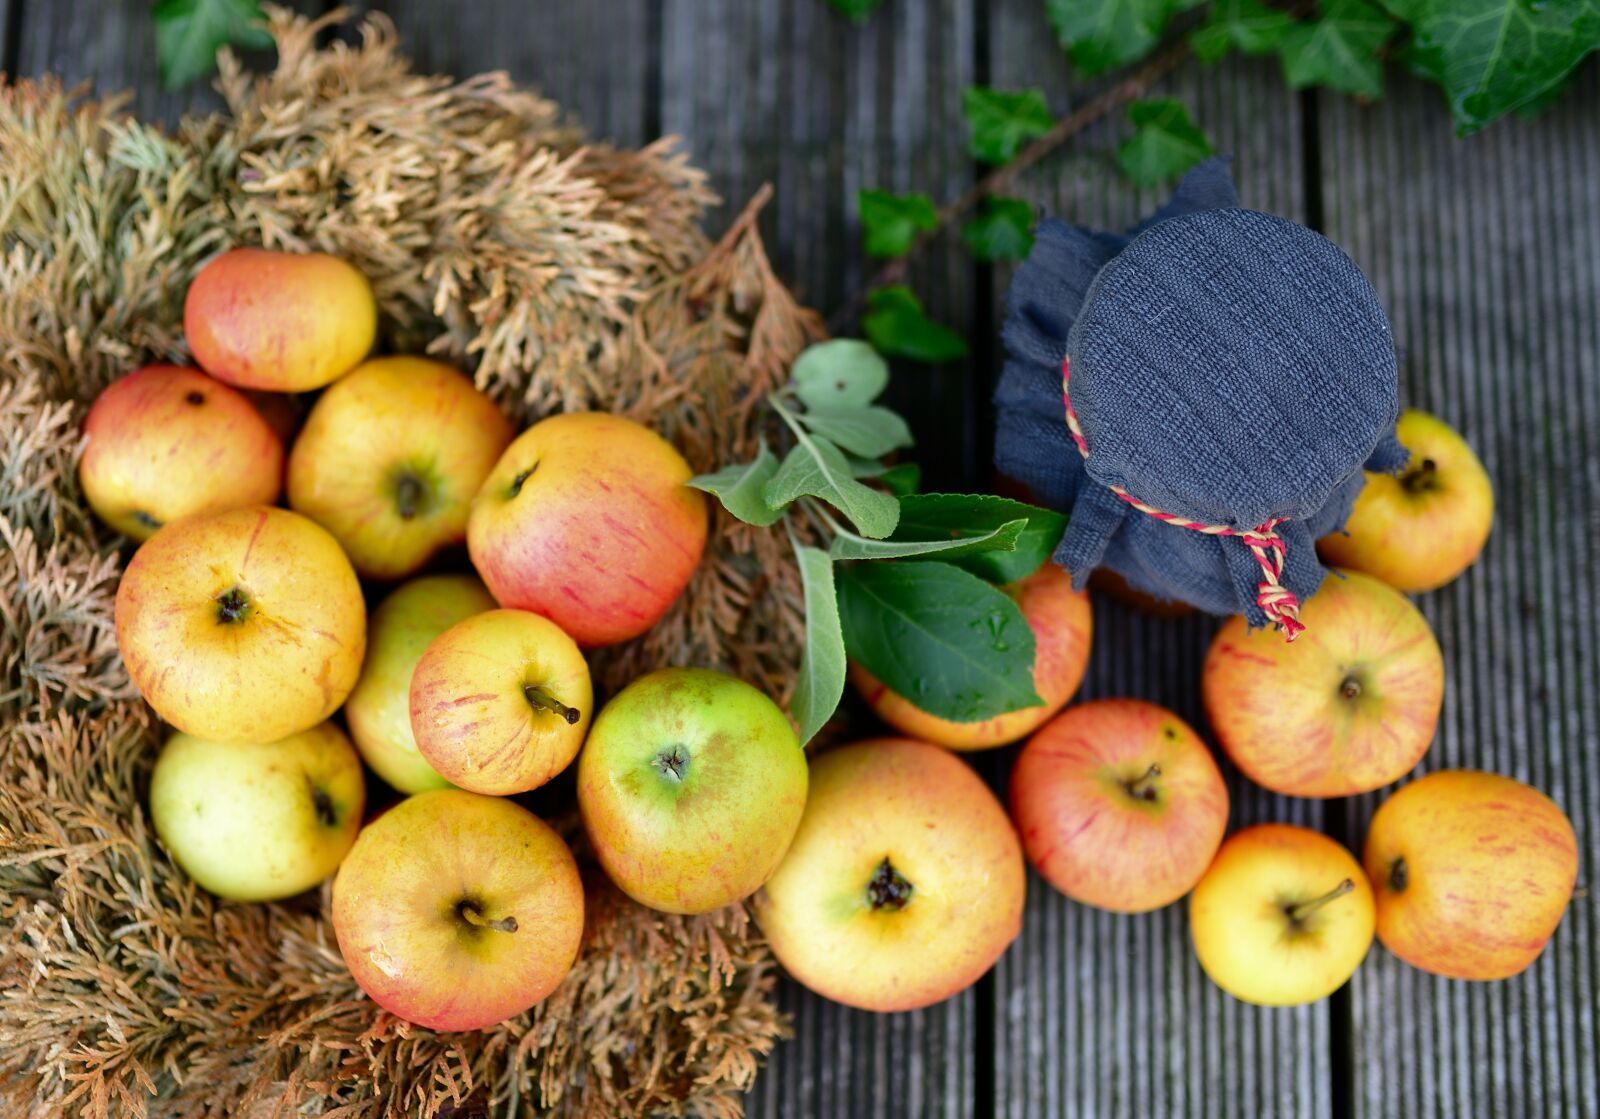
[285, 322]
[258, 821]
[1119, 804]
[456, 911]
[1349, 707]
[1061, 622]
[1282, 917]
[691, 786]
[1472, 873]
[390, 458]
[242, 626]
[398, 632]
[166, 442]
[903, 885]
[1418, 529]
[586, 519]
[500, 702]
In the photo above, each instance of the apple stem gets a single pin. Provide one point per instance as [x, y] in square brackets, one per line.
[1298, 913]
[469, 914]
[545, 701]
[1420, 477]
[1143, 787]
[1399, 875]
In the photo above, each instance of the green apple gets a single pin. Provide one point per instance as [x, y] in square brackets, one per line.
[379, 710]
[691, 787]
[257, 822]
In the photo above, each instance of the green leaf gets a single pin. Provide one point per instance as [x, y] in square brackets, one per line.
[849, 546]
[958, 516]
[815, 467]
[820, 684]
[190, 32]
[1248, 25]
[892, 221]
[1495, 56]
[841, 373]
[943, 638]
[856, 11]
[1165, 142]
[1338, 50]
[1002, 230]
[901, 479]
[1102, 35]
[999, 123]
[869, 432]
[739, 488]
[897, 325]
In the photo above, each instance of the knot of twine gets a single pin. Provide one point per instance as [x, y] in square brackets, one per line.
[1276, 601]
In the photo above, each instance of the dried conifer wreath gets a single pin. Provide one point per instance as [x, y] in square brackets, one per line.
[566, 276]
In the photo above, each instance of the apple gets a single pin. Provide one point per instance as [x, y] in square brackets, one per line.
[904, 884]
[258, 821]
[1282, 917]
[1061, 622]
[586, 520]
[1119, 804]
[1472, 873]
[691, 786]
[456, 911]
[390, 459]
[1349, 707]
[165, 442]
[500, 702]
[1418, 529]
[242, 626]
[399, 630]
[284, 322]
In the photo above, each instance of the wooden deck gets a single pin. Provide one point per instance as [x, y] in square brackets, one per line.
[1487, 254]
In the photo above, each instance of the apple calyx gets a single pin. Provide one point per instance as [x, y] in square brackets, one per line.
[544, 701]
[521, 477]
[411, 494]
[468, 912]
[195, 396]
[1350, 687]
[146, 519]
[1399, 874]
[1143, 787]
[327, 816]
[233, 606]
[1298, 912]
[672, 762]
[888, 888]
[1421, 477]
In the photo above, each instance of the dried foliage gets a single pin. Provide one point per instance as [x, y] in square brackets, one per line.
[564, 276]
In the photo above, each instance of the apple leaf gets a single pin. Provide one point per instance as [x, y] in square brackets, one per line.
[897, 325]
[1102, 35]
[892, 221]
[952, 644]
[849, 546]
[190, 32]
[739, 488]
[814, 467]
[1249, 25]
[1165, 142]
[820, 684]
[959, 516]
[856, 11]
[999, 123]
[901, 479]
[840, 373]
[1002, 229]
[869, 432]
[1339, 49]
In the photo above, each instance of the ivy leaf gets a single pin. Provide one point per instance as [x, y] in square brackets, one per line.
[897, 325]
[958, 516]
[849, 546]
[892, 221]
[868, 432]
[841, 373]
[1002, 230]
[1338, 50]
[1165, 142]
[1102, 35]
[815, 467]
[739, 488]
[190, 32]
[1495, 56]
[820, 684]
[1247, 24]
[999, 123]
[943, 638]
[856, 11]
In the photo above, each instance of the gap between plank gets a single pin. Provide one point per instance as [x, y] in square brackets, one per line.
[10, 37]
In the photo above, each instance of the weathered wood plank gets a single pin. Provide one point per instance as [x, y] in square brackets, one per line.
[1099, 1015]
[1486, 252]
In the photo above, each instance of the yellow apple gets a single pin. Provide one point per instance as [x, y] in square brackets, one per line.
[1472, 872]
[1282, 917]
[390, 458]
[1119, 804]
[242, 626]
[500, 702]
[1418, 529]
[258, 821]
[903, 885]
[456, 911]
[379, 710]
[1350, 706]
[1061, 622]
[165, 442]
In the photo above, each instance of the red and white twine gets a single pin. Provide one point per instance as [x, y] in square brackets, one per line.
[1276, 601]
